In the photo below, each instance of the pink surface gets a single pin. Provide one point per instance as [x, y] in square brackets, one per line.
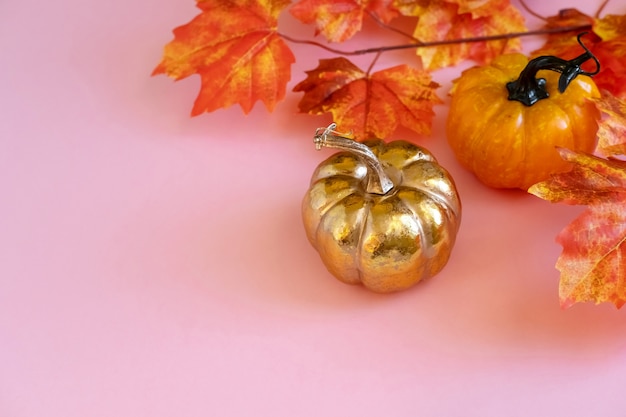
[155, 265]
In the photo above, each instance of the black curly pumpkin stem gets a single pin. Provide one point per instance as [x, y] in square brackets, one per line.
[528, 89]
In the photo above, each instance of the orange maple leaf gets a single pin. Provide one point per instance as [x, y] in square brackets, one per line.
[340, 20]
[236, 50]
[593, 261]
[607, 41]
[370, 105]
[612, 126]
[561, 44]
[448, 20]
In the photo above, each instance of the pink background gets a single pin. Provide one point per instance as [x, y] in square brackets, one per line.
[152, 264]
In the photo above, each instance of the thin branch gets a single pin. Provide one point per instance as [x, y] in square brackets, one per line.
[380, 49]
[390, 28]
[316, 44]
[369, 70]
[368, 84]
[604, 3]
[531, 11]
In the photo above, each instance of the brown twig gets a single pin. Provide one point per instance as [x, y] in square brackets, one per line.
[531, 11]
[369, 70]
[604, 3]
[380, 49]
[390, 28]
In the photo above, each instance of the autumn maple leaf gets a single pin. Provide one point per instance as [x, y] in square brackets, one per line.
[593, 261]
[235, 48]
[612, 127]
[450, 20]
[339, 20]
[370, 105]
[561, 44]
[607, 41]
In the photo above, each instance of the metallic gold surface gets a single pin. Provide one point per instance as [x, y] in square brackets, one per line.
[384, 241]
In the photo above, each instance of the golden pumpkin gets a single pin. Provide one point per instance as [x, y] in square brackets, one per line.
[384, 215]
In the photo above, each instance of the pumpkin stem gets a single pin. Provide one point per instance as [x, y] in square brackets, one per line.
[378, 182]
[528, 89]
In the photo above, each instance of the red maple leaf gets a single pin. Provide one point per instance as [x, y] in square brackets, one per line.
[236, 50]
[370, 105]
[593, 261]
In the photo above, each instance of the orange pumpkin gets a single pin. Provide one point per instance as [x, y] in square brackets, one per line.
[506, 119]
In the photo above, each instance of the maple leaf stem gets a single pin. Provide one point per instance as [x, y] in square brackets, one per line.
[604, 3]
[316, 44]
[380, 49]
[390, 28]
[369, 69]
[531, 11]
